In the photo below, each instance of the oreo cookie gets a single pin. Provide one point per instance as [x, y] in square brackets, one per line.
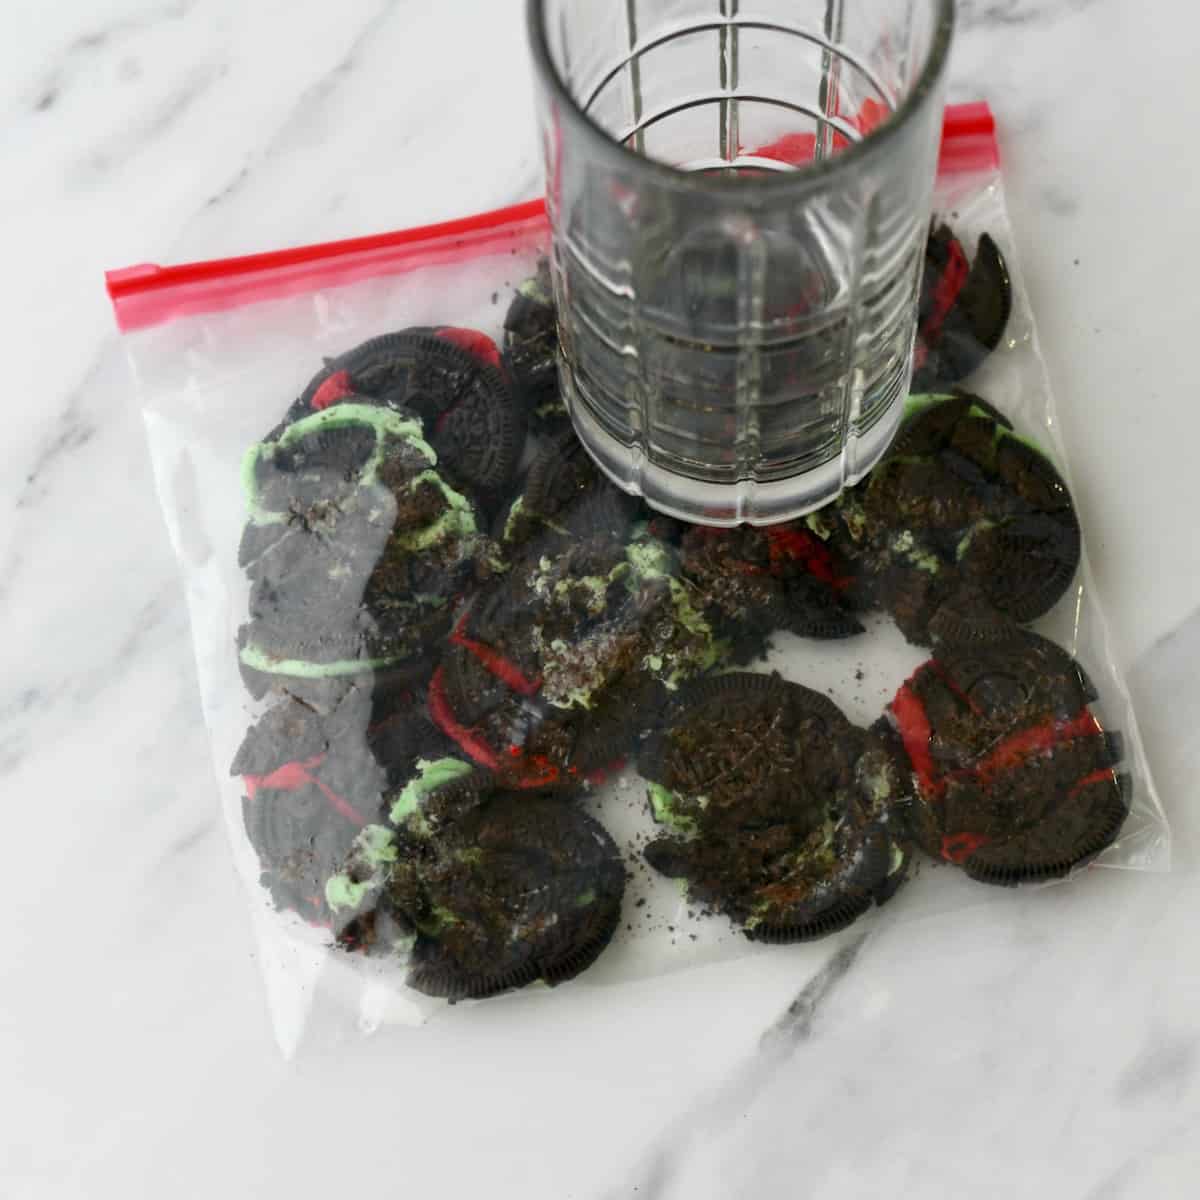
[402, 738]
[1016, 777]
[299, 843]
[519, 889]
[318, 515]
[352, 889]
[357, 550]
[885, 777]
[287, 732]
[531, 351]
[421, 803]
[776, 807]
[565, 497]
[438, 792]
[464, 400]
[508, 730]
[309, 668]
[552, 669]
[758, 580]
[963, 312]
[302, 817]
[476, 343]
[962, 525]
[610, 611]
[316, 502]
[435, 554]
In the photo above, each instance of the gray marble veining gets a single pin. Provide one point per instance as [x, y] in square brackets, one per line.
[1046, 1040]
[974, 15]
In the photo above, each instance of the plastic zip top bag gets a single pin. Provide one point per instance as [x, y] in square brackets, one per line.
[481, 722]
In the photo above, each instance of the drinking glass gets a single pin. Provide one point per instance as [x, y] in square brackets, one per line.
[739, 194]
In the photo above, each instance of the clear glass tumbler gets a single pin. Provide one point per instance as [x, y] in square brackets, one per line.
[739, 192]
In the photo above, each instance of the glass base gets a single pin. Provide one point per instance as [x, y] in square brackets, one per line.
[748, 501]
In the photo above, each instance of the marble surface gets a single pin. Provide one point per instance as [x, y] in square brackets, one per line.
[1044, 1044]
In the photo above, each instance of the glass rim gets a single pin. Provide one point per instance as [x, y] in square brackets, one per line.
[794, 180]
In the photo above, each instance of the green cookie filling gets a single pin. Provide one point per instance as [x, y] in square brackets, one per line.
[819, 525]
[259, 660]
[820, 855]
[375, 848]
[517, 514]
[377, 845]
[341, 892]
[675, 650]
[585, 664]
[650, 560]
[386, 423]
[440, 917]
[456, 521]
[431, 775]
[904, 543]
[664, 806]
[514, 515]
[964, 543]
[536, 288]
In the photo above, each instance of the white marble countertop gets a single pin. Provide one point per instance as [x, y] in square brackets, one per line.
[1044, 1044]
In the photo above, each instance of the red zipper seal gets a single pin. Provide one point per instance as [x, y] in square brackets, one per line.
[148, 294]
[968, 140]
